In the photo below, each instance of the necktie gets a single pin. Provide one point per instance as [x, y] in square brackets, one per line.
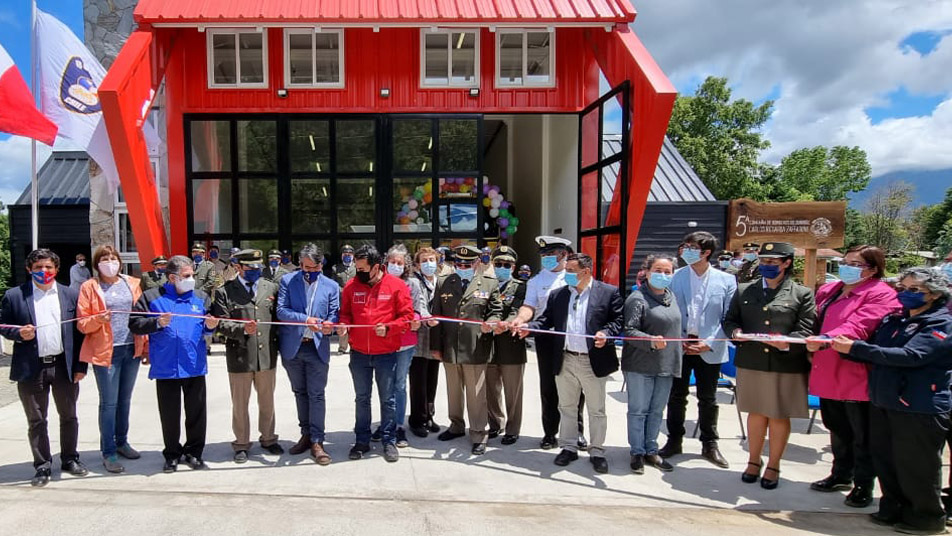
[251, 289]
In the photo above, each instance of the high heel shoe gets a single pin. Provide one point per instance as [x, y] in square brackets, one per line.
[767, 483]
[750, 478]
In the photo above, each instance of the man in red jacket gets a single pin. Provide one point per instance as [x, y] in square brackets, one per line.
[374, 298]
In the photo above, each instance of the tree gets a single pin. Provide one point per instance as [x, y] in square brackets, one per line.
[885, 211]
[5, 273]
[943, 243]
[938, 217]
[824, 174]
[855, 232]
[720, 138]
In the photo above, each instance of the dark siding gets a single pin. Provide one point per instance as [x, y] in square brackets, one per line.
[64, 229]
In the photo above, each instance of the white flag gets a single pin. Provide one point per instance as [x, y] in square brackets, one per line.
[69, 91]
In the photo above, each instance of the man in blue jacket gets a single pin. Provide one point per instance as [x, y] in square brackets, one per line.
[307, 296]
[177, 357]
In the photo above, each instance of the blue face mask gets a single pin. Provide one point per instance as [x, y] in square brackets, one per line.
[274, 263]
[465, 273]
[549, 262]
[724, 264]
[234, 261]
[691, 255]
[504, 274]
[198, 259]
[213, 255]
[750, 257]
[770, 271]
[311, 277]
[571, 279]
[347, 259]
[659, 280]
[428, 268]
[484, 259]
[160, 271]
[252, 275]
[947, 269]
[849, 274]
[911, 300]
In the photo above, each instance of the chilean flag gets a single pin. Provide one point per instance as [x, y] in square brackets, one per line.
[18, 112]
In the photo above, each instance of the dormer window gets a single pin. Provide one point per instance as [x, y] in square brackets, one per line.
[237, 58]
[450, 58]
[525, 58]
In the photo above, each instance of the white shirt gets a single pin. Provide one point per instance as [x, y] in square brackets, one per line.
[698, 297]
[49, 333]
[540, 286]
[577, 314]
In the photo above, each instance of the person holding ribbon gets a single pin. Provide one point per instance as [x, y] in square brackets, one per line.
[771, 375]
[425, 369]
[115, 353]
[508, 362]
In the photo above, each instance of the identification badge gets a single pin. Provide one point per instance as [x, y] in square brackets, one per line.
[383, 297]
[360, 297]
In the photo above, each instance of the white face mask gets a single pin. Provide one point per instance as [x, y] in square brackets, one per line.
[81, 263]
[395, 269]
[185, 285]
[109, 268]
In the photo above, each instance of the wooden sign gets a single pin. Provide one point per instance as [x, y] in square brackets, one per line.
[806, 224]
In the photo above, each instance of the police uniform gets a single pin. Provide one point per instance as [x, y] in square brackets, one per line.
[508, 362]
[287, 266]
[465, 349]
[273, 273]
[727, 257]
[251, 359]
[207, 277]
[342, 273]
[153, 278]
[749, 270]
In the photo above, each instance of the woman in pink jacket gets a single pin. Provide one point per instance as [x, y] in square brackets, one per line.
[854, 307]
[112, 349]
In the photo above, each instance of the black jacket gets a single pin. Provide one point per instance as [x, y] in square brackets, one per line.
[605, 313]
[508, 349]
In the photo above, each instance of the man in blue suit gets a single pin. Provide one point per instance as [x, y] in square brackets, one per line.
[307, 296]
[704, 295]
[46, 356]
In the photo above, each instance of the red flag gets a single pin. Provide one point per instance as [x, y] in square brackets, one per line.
[18, 112]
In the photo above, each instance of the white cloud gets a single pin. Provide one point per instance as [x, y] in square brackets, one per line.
[15, 166]
[831, 60]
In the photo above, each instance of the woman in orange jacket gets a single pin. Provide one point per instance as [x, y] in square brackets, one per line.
[104, 302]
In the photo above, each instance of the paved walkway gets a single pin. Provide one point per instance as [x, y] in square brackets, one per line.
[436, 487]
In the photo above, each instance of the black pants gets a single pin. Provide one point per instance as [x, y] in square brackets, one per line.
[906, 450]
[35, 397]
[547, 356]
[170, 394]
[424, 378]
[705, 376]
[848, 423]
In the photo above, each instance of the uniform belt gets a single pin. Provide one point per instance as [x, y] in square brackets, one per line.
[576, 353]
[49, 359]
[307, 340]
[692, 336]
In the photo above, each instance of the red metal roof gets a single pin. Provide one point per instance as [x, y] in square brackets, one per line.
[385, 12]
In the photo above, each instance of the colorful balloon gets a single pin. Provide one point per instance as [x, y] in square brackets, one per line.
[486, 202]
[494, 212]
[502, 222]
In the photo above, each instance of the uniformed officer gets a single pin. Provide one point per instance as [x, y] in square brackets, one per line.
[724, 263]
[485, 260]
[465, 349]
[749, 270]
[343, 272]
[287, 263]
[207, 277]
[508, 362]
[231, 271]
[445, 261]
[525, 273]
[273, 271]
[251, 350]
[214, 255]
[156, 277]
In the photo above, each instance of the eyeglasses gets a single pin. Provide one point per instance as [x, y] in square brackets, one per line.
[501, 264]
[915, 290]
[854, 264]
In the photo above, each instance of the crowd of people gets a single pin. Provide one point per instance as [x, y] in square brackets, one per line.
[877, 355]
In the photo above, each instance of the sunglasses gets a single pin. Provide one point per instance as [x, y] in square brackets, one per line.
[464, 264]
[916, 290]
[501, 264]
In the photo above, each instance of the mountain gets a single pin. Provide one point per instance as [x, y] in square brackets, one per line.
[928, 186]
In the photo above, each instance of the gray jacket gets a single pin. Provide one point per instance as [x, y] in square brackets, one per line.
[648, 314]
[421, 293]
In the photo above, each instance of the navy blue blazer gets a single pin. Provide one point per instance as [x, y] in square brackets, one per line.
[18, 309]
[292, 307]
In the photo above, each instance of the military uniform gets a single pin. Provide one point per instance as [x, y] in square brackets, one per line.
[273, 273]
[154, 279]
[508, 362]
[251, 359]
[231, 271]
[750, 269]
[342, 273]
[465, 349]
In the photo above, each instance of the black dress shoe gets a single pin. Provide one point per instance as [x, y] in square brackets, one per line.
[358, 450]
[432, 426]
[658, 462]
[195, 462]
[241, 456]
[750, 478]
[860, 497]
[711, 453]
[670, 449]
[377, 435]
[582, 444]
[832, 483]
[273, 448]
[883, 520]
[565, 457]
[600, 464]
[479, 449]
[448, 435]
[770, 483]
[637, 464]
[906, 528]
[303, 445]
[493, 434]
[549, 442]
[41, 478]
[509, 439]
[75, 468]
[171, 465]
[419, 431]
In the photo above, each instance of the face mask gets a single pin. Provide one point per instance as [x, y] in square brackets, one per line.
[185, 285]
[466, 273]
[198, 259]
[311, 277]
[363, 277]
[750, 257]
[659, 280]
[911, 300]
[347, 259]
[274, 263]
[213, 255]
[849, 274]
[484, 259]
[770, 271]
[286, 260]
[504, 274]
[947, 269]
[81, 263]
[109, 268]
[549, 262]
[691, 255]
[428, 268]
[571, 279]
[724, 264]
[252, 275]
[160, 271]
[394, 269]
[737, 263]
[234, 261]
[43, 277]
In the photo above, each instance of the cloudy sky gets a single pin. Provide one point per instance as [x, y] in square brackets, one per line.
[872, 73]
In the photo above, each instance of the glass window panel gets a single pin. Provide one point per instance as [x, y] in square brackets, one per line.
[510, 58]
[590, 141]
[211, 146]
[328, 58]
[264, 244]
[412, 205]
[300, 58]
[459, 144]
[611, 126]
[458, 217]
[310, 146]
[258, 205]
[458, 187]
[589, 246]
[324, 244]
[125, 238]
[257, 146]
[310, 206]
[355, 206]
[251, 56]
[356, 146]
[453, 242]
[589, 200]
[413, 245]
[131, 268]
[436, 58]
[223, 58]
[413, 145]
[211, 206]
[610, 184]
[538, 49]
[610, 269]
[464, 57]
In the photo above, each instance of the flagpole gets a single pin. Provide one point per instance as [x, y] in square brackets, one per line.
[34, 189]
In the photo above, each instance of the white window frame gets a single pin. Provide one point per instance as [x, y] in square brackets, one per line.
[210, 34]
[504, 83]
[449, 60]
[288, 32]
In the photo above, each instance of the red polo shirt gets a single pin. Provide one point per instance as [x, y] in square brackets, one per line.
[388, 302]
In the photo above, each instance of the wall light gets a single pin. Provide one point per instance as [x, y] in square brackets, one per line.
[474, 92]
[384, 93]
[283, 93]
[692, 224]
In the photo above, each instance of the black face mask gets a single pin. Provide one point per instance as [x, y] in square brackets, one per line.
[363, 277]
